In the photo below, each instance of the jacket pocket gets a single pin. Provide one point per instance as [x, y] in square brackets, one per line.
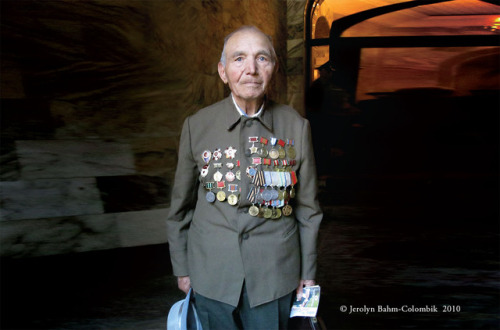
[290, 230]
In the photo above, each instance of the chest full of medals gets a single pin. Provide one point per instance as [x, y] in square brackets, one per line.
[270, 176]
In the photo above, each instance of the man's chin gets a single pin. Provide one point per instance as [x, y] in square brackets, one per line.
[253, 95]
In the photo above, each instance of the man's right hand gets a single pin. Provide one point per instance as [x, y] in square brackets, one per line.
[184, 283]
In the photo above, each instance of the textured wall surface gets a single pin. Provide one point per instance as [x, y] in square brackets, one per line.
[94, 94]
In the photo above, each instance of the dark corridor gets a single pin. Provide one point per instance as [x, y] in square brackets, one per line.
[411, 219]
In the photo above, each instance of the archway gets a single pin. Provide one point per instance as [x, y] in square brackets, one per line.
[322, 28]
[345, 51]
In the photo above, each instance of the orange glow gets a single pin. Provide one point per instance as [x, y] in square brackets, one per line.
[386, 70]
[496, 25]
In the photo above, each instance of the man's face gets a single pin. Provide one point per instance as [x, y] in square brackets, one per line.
[249, 66]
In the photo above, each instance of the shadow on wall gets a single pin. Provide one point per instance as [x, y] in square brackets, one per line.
[94, 95]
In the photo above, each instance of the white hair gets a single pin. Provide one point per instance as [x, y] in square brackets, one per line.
[247, 28]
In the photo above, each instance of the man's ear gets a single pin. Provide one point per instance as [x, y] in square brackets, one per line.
[276, 67]
[222, 72]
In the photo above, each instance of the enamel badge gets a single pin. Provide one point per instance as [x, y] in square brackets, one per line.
[206, 155]
[204, 170]
[217, 154]
[230, 152]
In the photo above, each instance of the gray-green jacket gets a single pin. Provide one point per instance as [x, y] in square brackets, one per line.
[219, 245]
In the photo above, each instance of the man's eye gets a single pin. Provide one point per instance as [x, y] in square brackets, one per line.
[262, 58]
[238, 59]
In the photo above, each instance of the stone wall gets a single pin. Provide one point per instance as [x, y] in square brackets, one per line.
[93, 97]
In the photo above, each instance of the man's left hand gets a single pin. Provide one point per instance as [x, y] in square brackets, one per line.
[302, 284]
[184, 283]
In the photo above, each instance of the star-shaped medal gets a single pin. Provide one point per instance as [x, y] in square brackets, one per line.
[230, 152]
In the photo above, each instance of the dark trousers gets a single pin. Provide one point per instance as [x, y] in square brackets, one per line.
[214, 314]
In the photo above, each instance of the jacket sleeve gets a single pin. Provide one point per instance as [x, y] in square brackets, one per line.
[307, 210]
[182, 204]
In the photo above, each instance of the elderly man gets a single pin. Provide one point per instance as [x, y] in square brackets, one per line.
[244, 216]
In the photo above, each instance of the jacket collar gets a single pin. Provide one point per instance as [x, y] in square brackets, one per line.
[233, 116]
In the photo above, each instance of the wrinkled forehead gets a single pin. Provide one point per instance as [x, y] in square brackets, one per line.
[249, 39]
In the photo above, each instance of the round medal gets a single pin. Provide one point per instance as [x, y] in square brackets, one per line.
[253, 211]
[221, 196]
[292, 192]
[274, 194]
[274, 154]
[281, 194]
[251, 170]
[263, 152]
[277, 215]
[287, 210]
[291, 152]
[268, 213]
[210, 197]
[258, 198]
[281, 153]
[238, 174]
[232, 199]
[267, 195]
[230, 176]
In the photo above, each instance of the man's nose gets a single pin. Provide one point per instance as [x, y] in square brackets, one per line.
[251, 67]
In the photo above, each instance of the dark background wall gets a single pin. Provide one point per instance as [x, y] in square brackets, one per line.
[93, 97]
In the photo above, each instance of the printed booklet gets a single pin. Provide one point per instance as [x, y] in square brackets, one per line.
[308, 304]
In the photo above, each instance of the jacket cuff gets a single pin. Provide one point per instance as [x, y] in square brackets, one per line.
[179, 262]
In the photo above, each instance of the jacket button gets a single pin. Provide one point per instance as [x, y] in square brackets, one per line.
[245, 236]
[247, 153]
[249, 123]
